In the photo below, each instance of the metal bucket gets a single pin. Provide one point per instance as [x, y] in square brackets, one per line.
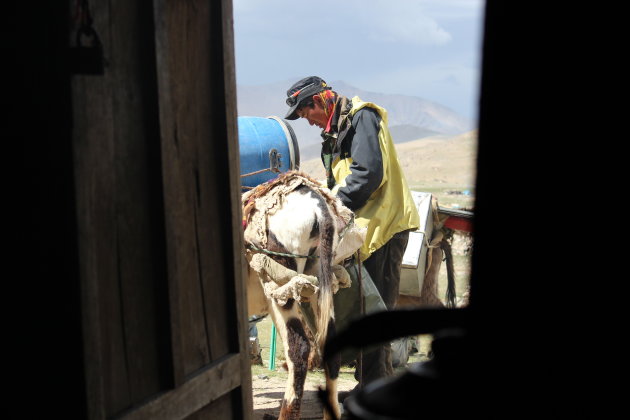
[268, 147]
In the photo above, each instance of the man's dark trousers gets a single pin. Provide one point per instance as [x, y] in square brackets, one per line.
[384, 267]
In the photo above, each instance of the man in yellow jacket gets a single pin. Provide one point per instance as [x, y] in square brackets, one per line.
[362, 169]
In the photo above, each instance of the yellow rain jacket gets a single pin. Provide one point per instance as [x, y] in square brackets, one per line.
[363, 170]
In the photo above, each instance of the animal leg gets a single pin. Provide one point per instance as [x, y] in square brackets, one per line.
[331, 370]
[290, 325]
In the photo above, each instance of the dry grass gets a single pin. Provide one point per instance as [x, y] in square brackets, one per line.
[431, 161]
[438, 165]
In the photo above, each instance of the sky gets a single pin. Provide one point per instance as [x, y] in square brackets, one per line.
[425, 48]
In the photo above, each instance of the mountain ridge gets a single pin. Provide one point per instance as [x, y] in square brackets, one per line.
[409, 117]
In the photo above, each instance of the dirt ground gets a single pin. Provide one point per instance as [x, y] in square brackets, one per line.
[268, 393]
[268, 387]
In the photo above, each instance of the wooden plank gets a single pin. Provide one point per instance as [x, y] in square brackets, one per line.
[213, 382]
[104, 343]
[120, 210]
[222, 408]
[195, 164]
[180, 46]
[215, 207]
[94, 154]
[238, 266]
[88, 218]
[139, 202]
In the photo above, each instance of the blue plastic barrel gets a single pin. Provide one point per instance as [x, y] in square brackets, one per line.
[268, 147]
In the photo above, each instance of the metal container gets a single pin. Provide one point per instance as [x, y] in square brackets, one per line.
[415, 257]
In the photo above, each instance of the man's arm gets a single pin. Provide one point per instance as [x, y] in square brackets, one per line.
[367, 160]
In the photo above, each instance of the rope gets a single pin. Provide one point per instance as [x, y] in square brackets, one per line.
[362, 312]
[435, 243]
[256, 172]
[280, 254]
[345, 229]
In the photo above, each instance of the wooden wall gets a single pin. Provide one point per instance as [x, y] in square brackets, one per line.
[158, 215]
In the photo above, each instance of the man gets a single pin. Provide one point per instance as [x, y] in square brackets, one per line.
[362, 169]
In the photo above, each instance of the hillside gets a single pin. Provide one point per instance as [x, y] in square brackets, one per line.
[409, 117]
[411, 111]
[432, 162]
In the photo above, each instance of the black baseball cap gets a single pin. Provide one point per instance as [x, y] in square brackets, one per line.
[301, 90]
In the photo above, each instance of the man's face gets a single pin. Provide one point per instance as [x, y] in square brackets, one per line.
[315, 115]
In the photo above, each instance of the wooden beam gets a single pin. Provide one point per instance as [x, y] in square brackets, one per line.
[205, 387]
[183, 56]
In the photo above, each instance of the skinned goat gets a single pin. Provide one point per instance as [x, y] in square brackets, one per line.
[296, 232]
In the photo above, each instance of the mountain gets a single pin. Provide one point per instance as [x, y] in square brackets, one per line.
[410, 117]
